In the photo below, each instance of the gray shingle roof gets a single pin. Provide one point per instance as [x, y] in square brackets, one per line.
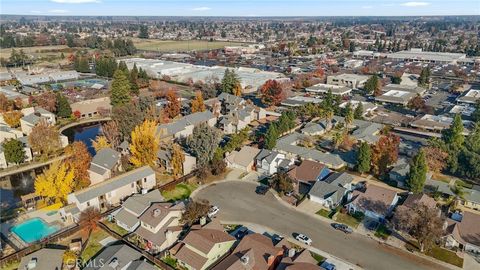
[31, 119]
[339, 179]
[46, 258]
[113, 183]
[106, 158]
[116, 256]
[325, 190]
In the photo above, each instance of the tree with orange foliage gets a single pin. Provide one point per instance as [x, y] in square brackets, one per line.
[272, 93]
[385, 153]
[197, 104]
[12, 118]
[237, 90]
[436, 158]
[173, 107]
[5, 104]
[79, 159]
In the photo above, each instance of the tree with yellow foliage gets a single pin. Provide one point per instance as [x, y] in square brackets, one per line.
[178, 157]
[197, 104]
[56, 182]
[145, 144]
[100, 142]
[237, 90]
[12, 118]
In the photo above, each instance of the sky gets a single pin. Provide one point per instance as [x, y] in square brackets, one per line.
[241, 7]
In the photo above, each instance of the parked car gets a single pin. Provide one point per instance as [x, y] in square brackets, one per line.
[241, 232]
[304, 239]
[342, 227]
[213, 211]
[261, 190]
[328, 266]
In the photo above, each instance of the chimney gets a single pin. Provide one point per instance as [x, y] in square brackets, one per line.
[156, 212]
[271, 260]
[203, 221]
[291, 253]
[244, 259]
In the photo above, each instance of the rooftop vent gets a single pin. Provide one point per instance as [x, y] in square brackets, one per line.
[244, 259]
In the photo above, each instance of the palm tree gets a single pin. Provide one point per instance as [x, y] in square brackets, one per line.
[328, 117]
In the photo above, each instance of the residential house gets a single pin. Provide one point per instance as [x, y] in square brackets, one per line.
[164, 157]
[132, 208]
[464, 233]
[269, 162]
[471, 198]
[243, 159]
[230, 103]
[433, 186]
[316, 128]
[331, 192]
[414, 200]
[92, 107]
[288, 145]
[399, 173]
[203, 247]
[160, 225]
[305, 175]
[255, 251]
[7, 132]
[293, 260]
[376, 202]
[103, 165]
[119, 256]
[184, 126]
[45, 258]
[33, 116]
[112, 191]
[368, 107]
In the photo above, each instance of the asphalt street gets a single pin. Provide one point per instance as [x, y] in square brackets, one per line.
[238, 202]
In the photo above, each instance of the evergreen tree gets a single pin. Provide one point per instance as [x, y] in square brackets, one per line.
[120, 89]
[424, 78]
[358, 113]
[476, 113]
[349, 115]
[13, 150]
[373, 85]
[134, 89]
[230, 81]
[123, 67]
[454, 135]
[418, 173]
[271, 136]
[364, 158]
[62, 106]
[143, 33]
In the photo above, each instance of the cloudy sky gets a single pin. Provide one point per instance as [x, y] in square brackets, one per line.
[241, 7]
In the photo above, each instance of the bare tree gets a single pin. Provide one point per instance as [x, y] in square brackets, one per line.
[194, 211]
[111, 133]
[422, 223]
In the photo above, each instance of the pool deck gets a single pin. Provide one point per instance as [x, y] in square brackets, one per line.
[52, 219]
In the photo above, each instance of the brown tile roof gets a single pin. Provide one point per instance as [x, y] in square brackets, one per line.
[205, 239]
[190, 257]
[157, 212]
[468, 230]
[303, 266]
[307, 171]
[376, 199]
[414, 200]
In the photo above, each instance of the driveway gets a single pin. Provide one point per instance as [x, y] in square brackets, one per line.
[239, 203]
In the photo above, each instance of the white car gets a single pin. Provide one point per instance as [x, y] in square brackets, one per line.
[304, 239]
[213, 211]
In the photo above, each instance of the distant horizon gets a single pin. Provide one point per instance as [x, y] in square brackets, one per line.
[242, 8]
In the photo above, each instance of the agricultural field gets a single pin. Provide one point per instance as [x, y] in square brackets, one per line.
[180, 45]
[39, 51]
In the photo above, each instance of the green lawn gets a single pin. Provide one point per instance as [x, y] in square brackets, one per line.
[323, 213]
[180, 192]
[180, 45]
[348, 220]
[114, 227]
[445, 256]
[94, 244]
[317, 257]
[170, 261]
[382, 232]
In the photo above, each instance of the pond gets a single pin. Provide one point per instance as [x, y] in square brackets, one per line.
[85, 134]
[23, 183]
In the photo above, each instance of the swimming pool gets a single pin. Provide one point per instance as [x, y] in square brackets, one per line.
[33, 230]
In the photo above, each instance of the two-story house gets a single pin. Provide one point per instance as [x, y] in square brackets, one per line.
[305, 175]
[111, 191]
[268, 162]
[105, 162]
[331, 192]
[376, 202]
[160, 225]
[203, 247]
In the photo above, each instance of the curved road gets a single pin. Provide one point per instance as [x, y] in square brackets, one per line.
[238, 202]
